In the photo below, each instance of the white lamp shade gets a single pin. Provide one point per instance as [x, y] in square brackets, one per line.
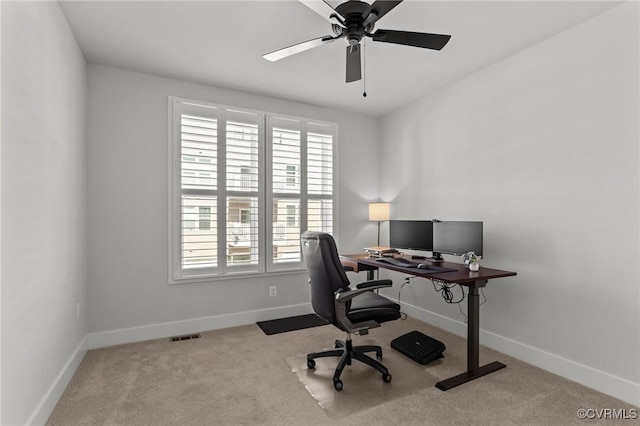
[379, 211]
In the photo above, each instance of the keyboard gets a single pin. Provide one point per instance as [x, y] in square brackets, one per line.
[398, 262]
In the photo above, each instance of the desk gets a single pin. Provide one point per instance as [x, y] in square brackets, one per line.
[473, 281]
[352, 261]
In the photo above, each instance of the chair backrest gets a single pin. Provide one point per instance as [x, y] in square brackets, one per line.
[326, 273]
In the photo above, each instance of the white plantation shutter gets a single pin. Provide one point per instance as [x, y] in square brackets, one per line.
[241, 195]
[242, 183]
[286, 184]
[286, 161]
[320, 178]
[242, 156]
[198, 153]
[199, 234]
[302, 183]
[320, 163]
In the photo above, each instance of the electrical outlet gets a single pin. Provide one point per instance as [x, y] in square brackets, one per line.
[78, 310]
[273, 291]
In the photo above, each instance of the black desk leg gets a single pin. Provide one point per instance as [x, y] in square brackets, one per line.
[473, 344]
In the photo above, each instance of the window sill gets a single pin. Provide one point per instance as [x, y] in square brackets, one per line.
[234, 276]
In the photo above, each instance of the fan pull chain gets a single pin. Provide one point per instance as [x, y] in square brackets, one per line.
[364, 68]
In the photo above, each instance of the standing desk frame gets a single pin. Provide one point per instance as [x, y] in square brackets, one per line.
[474, 281]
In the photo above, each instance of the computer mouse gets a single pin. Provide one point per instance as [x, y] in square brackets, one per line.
[423, 266]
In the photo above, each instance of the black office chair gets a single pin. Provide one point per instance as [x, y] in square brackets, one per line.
[354, 311]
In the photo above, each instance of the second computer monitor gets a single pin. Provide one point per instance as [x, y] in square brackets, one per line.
[457, 237]
[411, 234]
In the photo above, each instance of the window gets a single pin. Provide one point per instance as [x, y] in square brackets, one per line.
[292, 175]
[292, 214]
[204, 223]
[245, 177]
[243, 186]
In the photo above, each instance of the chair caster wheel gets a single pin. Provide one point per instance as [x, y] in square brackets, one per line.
[379, 354]
[386, 378]
[311, 364]
[338, 385]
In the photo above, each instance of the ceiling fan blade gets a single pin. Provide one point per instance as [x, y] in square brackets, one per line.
[378, 9]
[322, 8]
[428, 41]
[353, 63]
[297, 48]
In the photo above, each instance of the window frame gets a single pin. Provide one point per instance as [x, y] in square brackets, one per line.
[266, 264]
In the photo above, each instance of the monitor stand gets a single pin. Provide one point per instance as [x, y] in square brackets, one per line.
[436, 257]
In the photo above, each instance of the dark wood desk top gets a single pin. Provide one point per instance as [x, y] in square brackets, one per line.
[362, 262]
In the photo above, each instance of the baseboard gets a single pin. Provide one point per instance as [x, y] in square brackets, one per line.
[55, 391]
[168, 329]
[601, 381]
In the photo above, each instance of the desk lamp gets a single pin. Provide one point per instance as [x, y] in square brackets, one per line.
[379, 212]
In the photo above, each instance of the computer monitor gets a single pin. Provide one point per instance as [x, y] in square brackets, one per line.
[457, 238]
[411, 234]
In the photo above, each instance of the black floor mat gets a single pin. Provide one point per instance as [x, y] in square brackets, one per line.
[283, 325]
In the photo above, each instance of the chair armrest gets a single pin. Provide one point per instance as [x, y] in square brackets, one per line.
[345, 296]
[342, 299]
[375, 284]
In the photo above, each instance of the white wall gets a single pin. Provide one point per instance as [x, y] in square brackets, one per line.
[128, 225]
[43, 209]
[543, 147]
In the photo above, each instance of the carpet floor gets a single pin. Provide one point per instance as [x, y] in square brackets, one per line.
[240, 376]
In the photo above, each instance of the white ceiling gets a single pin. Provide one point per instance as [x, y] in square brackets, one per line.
[221, 43]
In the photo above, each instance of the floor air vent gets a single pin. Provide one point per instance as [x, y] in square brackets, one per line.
[185, 337]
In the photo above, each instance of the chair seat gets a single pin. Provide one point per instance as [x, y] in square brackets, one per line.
[369, 305]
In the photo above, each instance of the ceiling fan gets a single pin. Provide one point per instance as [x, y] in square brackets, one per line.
[353, 20]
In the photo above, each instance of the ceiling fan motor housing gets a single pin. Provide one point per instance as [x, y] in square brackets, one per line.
[353, 12]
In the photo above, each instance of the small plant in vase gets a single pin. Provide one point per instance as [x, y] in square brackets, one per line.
[471, 260]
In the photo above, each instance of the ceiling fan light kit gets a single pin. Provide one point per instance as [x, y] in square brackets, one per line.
[353, 20]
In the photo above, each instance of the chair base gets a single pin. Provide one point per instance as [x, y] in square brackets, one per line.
[347, 352]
